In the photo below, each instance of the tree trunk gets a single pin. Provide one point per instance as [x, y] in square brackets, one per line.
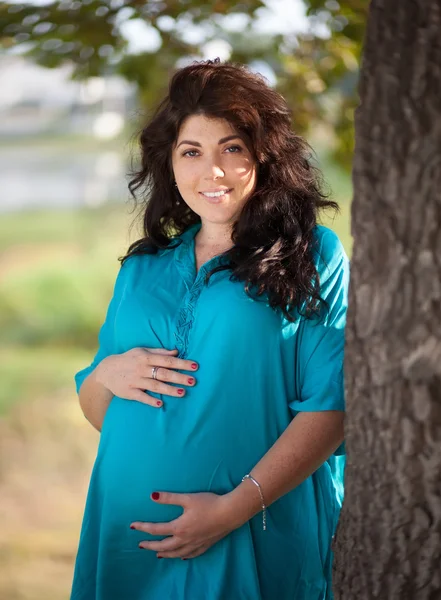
[388, 541]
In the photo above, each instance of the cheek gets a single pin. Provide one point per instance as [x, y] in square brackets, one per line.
[187, 174]
[245, 170]
[247, 176]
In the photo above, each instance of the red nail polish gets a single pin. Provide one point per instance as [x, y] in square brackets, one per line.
[155, 495]
[158, 403]
[132, 527]
[194, 366]
[159, 557]
[191, 380]
[180, 392]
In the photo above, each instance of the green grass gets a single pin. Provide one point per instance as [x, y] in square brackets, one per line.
[55, 283]
[85, 227]
[57, 271]
[28, 373]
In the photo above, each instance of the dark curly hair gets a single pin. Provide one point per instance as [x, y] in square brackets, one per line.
[273, 236]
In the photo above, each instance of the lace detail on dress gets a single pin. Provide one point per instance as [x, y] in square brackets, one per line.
[185, 262]
[184, 322]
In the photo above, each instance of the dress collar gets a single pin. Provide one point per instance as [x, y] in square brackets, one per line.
[186, 259]
[189, 234]
[184, 239]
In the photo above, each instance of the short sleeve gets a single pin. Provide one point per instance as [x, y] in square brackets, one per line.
[106, 333]
[320, 343]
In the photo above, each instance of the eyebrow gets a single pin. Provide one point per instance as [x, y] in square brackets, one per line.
[221, 141]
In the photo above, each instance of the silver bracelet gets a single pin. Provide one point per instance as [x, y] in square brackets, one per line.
[248, 476]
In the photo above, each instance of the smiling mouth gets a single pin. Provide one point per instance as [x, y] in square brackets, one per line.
[218, 194]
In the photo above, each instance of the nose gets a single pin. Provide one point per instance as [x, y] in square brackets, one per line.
[215, 171]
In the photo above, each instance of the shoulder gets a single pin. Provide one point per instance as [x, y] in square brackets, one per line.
[328, 251]
[145, 258]
[131, 268]
[131, 263]
[145, 264]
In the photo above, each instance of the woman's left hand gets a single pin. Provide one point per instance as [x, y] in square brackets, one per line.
[206, 519]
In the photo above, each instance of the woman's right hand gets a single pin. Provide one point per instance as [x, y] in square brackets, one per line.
[127, 375]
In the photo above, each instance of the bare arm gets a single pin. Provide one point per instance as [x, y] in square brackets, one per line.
[303, 447]
[94, 399]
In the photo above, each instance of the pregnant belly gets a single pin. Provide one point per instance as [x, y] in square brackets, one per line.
[144, 449]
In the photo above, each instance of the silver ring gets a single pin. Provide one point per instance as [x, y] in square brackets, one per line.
[154, 371]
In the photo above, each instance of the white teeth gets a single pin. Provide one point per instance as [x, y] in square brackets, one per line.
[214, 194]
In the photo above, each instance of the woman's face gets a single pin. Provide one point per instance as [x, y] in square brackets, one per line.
[210, 156]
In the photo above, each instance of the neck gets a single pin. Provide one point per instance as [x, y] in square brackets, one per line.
[212, 235]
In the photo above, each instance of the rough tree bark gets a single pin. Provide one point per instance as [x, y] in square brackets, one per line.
[388, 541]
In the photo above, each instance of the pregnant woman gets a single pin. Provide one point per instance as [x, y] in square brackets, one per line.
[217, 385]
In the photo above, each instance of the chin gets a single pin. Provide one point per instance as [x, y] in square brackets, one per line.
[217, 219]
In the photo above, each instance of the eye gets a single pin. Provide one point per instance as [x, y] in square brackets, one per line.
[236, 147]
[188, 153]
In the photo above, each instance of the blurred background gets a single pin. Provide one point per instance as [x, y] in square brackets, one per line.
[77, 81]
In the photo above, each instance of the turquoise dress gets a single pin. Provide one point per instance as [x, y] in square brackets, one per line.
[256, 372]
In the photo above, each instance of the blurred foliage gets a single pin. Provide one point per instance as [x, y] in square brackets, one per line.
[316, 71]
[43, 303]
[56, 280]
[47, 369]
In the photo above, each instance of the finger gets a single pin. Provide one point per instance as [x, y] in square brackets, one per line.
[170, 362]
[170, 498]
[170, 544]
[181, 553]
[170, 376]
[184, 552]
[155, 528]
[161, 350]
[159, 387]
[200, 550]
[139, 396]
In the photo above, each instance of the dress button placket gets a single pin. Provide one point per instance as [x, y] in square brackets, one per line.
[185, 318]
[194, 282]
